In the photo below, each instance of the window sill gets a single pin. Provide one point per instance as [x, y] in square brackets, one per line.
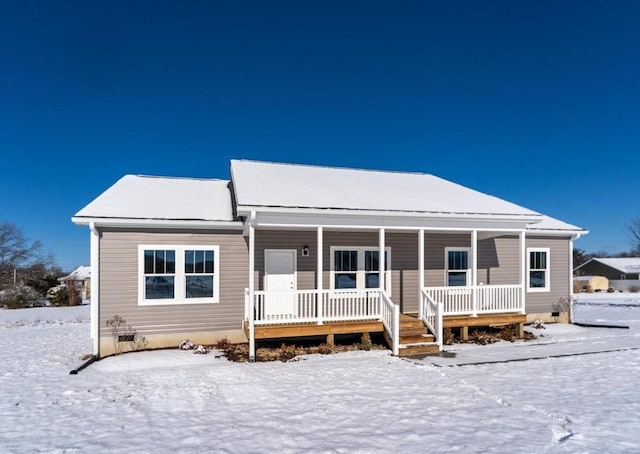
[174, 302]
[538, 290]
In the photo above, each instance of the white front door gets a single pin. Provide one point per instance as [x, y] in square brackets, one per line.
[280, 282]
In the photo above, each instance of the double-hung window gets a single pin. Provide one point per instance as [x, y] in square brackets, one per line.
[457, 270]
[178, 274]
[538, 269]
[358, 268]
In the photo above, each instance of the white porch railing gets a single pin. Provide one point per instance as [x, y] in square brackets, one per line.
[479, 299]
[318, 306]
[431, 315]
[390, 314]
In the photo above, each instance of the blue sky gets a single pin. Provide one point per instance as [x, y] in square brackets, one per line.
[536, 102]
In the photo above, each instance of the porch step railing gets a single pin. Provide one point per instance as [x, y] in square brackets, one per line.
[319, 306]
[431, 315]
[479, 299]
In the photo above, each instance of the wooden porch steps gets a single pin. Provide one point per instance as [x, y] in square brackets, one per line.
[415, 339]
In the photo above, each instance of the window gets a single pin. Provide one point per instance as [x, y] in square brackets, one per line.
[372, 267]
[538, 269]
[345, 269]
[159, 273]
[457, 267]
[178, 274]
[358, 268]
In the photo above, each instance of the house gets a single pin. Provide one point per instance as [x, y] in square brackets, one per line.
[623, 272]
[80, 279]
[283, 250]
[621, 268]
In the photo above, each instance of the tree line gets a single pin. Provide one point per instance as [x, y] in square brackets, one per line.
[27, 273]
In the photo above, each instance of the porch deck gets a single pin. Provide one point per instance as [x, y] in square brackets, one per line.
[415, 339]
[306, 313]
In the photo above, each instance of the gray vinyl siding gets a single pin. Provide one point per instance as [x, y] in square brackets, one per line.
[119, 283]
[544, 302]
[286, 239]
[498, 258]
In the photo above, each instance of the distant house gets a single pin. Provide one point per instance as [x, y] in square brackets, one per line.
[81, 279]
[283, 250]
[622, 268]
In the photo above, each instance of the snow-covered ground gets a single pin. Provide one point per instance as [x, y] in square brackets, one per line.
[175, 401]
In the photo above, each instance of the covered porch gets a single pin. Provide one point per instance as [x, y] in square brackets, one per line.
[391, 291]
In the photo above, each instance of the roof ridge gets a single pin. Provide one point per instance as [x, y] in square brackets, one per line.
[324, 166]
[166, 177]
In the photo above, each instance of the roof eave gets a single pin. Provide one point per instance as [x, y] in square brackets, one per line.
[156, 223]
[577, 233]
[245, 210]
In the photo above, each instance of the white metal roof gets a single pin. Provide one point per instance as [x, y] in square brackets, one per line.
[264, 184]
[550, 224]
[622, 264]
[162, 198]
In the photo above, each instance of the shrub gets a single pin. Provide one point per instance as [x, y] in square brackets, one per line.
[448, 336]
[201, 350]
[325, 349]
[124, 334]
[365, 342]
[287, 352]
[480, 337]
[508, 333]
[634, 288]
[538, 324]
[186, 345]
[20, 296]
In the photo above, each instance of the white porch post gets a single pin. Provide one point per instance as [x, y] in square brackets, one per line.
[420, 272]
[570, 315]
[381, 278]
[252, 247]
[95, 288]
[319, 299]
[474, 273]
[523, 271]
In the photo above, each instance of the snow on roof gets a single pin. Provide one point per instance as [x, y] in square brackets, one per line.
[79, 274]
[146, 197]
[549, 223]
[264, 184]
[622, 264]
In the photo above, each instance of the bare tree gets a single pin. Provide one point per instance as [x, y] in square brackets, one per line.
[633, 230]
[16, 250]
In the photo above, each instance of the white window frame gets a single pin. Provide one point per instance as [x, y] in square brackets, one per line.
[547, 280]
[446, 264]
[360, 273]
[180, 290]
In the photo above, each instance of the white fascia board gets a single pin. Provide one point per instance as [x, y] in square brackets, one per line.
[301, 221]
[157, 223]
[244, 210]
[574, 234]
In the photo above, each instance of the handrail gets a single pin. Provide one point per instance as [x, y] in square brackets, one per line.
[391, 320]
[432, 316]
[489, 299]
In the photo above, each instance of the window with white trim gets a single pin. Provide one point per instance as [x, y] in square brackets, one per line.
[358, 268]
[538, 269]
[457, 269]
[178, 274]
